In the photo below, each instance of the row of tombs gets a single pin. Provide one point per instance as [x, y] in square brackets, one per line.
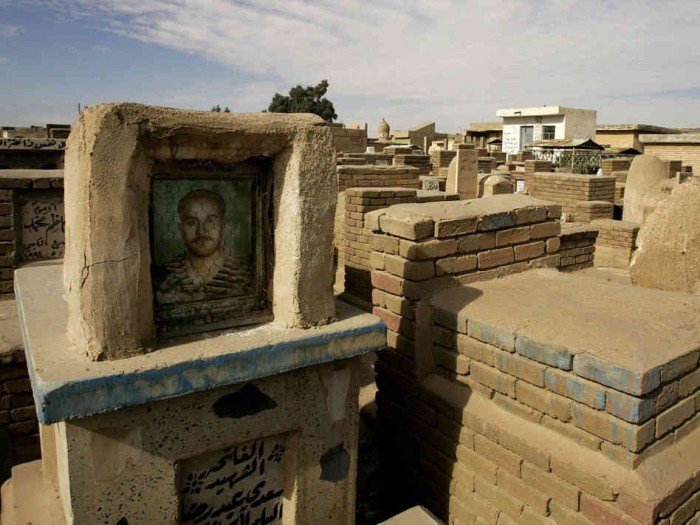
[190, 362]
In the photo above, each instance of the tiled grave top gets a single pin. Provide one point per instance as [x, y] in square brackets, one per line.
[67, 385]
[628, 338]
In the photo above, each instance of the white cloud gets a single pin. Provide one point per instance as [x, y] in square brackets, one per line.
[8, 31]
[447, 60]
[4, 60]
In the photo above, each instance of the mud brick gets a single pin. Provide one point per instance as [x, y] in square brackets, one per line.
[497, 455]
[431, 249]
[477, 464]
[512, 236]
[498, 498]
[525, 450]
[520, 367]
[493, 335]
[17, 386]
[589, 483]
[560, 490]
[497, 257]
[674, 416]
[474, 349]
[22, 413]
[534, 499]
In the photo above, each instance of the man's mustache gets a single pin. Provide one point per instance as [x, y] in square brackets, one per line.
[202, 238]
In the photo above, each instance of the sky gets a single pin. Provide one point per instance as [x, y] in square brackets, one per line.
[448, 61]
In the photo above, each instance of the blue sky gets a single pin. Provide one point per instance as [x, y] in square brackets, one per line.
[452, 61]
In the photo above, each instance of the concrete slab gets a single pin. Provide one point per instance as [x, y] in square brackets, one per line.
[67, 385]
[616, 334]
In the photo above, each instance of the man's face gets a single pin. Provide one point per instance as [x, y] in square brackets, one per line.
[201, 226]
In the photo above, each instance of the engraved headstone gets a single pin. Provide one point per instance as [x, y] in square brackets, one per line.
[239, 485]
[42, 231]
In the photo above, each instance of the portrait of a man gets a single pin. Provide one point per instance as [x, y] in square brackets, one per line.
[206, 270]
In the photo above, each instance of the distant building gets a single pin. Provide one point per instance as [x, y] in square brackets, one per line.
[523, 126]
[33, 147]
[626, 136]
[421, 135]
[678, 146]
[487, 135]
[350, 139]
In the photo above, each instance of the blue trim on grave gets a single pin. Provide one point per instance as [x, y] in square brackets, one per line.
[63, 400]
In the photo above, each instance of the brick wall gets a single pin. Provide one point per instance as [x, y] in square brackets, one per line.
[610, 165]
[17, 412]
[567, 190]
[500, 428]
[616, 243]
[587, 211]
[361, 159]
[441, 159]
[359, 202]
[420, 248]
[420, 162]
[371, 176]
[486, 164]
[577, 247]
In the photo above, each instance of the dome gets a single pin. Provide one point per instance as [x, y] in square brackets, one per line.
[383, 127]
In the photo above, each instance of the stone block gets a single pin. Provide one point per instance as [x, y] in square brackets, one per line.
[493, 379]
[617, 377]
[474, 349]
[512, 236]
[529, 251]
[601, 512]
[432, 249]
[455, 265]
[477, 242]
[531, 396]
[413, 227]
[492, 335]
[497, 257]
[455, 227]
[416, 271]
[689, 383]
[674, 416]
[520, 367]
[545, 229]
[613, 430]
[544, 353]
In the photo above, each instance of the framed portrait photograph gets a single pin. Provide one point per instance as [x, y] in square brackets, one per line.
[210, 245]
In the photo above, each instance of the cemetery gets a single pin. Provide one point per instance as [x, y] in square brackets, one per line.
[208, 316]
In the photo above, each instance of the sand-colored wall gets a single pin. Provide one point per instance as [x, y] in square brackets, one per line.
[107, 261]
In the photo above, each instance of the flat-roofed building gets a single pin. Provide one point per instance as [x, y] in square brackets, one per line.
[523, 126]
[626, 136]
[677, 146]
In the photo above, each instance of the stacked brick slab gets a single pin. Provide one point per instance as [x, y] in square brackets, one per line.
[520, 414]
[577, 247]
[358, 202]
[420, 248]
[610, 165]
[567, 190]
[531, 166]
[359, 159]
[369, 176]
[587, 211]
[440, 159]
[616, 243]
[420, 162]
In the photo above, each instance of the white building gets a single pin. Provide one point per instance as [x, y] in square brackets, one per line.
[522, 126]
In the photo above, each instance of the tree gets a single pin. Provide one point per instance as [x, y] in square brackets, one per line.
[305, 100]
[217, 109]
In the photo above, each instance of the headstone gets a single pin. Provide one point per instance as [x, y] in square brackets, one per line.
[462, 174]
[645, 171]
[668, 253]
[497, 185]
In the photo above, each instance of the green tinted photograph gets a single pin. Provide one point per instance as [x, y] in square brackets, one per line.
[202, 239]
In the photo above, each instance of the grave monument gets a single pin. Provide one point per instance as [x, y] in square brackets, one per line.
[188, 360]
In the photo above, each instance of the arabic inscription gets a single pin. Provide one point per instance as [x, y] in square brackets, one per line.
[241, 485]
[43, 229]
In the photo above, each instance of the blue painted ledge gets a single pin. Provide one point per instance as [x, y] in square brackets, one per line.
[66, 385]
